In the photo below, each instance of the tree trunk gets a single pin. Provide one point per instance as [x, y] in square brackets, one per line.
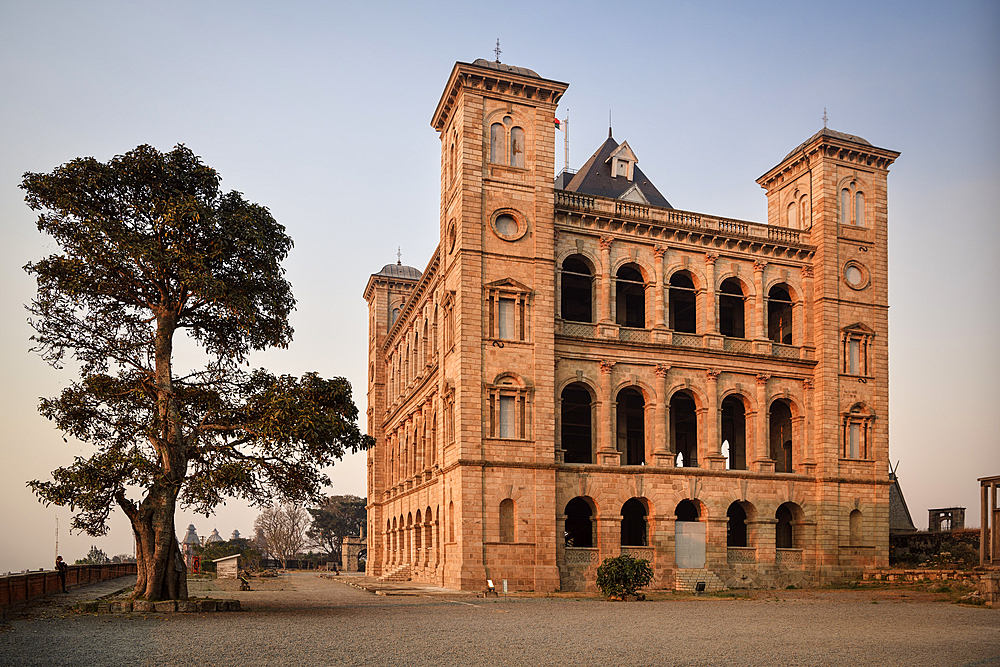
[162, 573]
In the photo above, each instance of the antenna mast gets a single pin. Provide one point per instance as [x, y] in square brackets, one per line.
[566, 143]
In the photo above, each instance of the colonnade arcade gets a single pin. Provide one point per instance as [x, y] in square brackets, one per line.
[413, 539]
[740, 532]
[718, 299]
[675, 421]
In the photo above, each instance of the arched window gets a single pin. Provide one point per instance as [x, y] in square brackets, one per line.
[686, 511]
[517, 147]
[577, 290]
[498, 148]
[845, 207]
[731, 315]
[632, 426]
[857, 529]
[684, 429]
[634, 523]
[734, 431]
[780, 420]
[630, 295]
[736, 526]
[859, 209]
[417, 533]
[784, 537]
[508, 520]
[394, 317]
[779, 315]
[682, 303]
[793, 215]
[579, 528]
[575, 422]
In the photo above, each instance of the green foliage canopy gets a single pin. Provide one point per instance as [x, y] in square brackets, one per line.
[623, 575]
[149, 246]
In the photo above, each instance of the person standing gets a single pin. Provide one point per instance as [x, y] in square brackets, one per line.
[62, 568]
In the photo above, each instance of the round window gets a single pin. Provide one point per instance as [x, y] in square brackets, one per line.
[855, 276]
[508, 225]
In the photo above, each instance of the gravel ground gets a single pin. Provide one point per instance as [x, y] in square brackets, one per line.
[308, 620]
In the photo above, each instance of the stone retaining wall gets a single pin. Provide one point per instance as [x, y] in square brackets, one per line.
[18, 588]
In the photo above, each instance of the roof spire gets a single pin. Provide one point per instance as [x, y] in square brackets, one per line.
[824, 118]
[399, 256]
[609, 123]
[497, 50]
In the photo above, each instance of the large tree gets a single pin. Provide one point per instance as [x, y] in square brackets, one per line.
[150, 248]
[334, 519]
[281, 531]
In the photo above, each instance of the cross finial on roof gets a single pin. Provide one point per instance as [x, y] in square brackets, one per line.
[399, 256]
[497, 50]
[609, 123]
[824, 118]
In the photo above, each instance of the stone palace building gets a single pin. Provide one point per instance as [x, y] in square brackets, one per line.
[582, 370]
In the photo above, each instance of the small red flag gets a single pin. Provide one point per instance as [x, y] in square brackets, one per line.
[558, 123]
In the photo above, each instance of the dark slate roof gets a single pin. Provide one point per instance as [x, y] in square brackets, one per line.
[501, 67]
[827, 132]
[398, 270]
[595, 178]
[899, 513]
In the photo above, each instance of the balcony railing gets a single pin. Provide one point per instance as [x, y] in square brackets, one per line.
[668, 217]
[639, 553]
[741, 554]
[581, 556]
[633, 335]
[788, 556]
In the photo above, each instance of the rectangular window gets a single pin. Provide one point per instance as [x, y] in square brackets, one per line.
[853, 356]
[854, 440]
[506, 421]
[507, 329]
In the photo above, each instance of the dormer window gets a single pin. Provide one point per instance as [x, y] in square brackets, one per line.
[623, 162]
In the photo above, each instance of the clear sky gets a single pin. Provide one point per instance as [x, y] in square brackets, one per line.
[321, 111]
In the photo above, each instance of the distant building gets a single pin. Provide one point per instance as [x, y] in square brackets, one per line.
[945, 519]
[214, 537]
[190, 541]
[582, 370]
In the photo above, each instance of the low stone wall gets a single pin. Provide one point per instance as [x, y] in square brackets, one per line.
[163, 606]
[921, 546]
[921, 574]
[18, 588]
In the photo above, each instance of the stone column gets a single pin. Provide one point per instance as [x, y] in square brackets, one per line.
[808, 446]
[607, 453]
[658, 321]
[760, 314]
[807, 298]
[605, 290]
[662, 451]
[714, 458]
[763, 529]
[710, 305]
[761, 436]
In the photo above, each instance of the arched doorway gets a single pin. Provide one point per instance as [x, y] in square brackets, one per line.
[690, 537]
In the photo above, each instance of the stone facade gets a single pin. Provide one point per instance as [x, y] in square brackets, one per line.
[575, 375]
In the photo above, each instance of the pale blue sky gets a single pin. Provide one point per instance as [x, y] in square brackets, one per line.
[321, 112]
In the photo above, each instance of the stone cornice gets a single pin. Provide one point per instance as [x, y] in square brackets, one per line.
[495, 82]
[833, 148]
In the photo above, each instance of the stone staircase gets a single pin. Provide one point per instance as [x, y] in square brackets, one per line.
[401, 573]
[687, 579]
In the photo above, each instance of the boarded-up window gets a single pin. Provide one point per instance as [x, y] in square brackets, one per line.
[857, 529]
[845, 207]
[498, 151]
[517, 147]
[507, 521]
[859, 209]
[506, 319]
[506, 421]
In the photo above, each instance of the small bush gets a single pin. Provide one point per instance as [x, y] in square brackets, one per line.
[623, 575]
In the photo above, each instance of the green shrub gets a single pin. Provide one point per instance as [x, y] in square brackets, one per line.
[623, 575]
